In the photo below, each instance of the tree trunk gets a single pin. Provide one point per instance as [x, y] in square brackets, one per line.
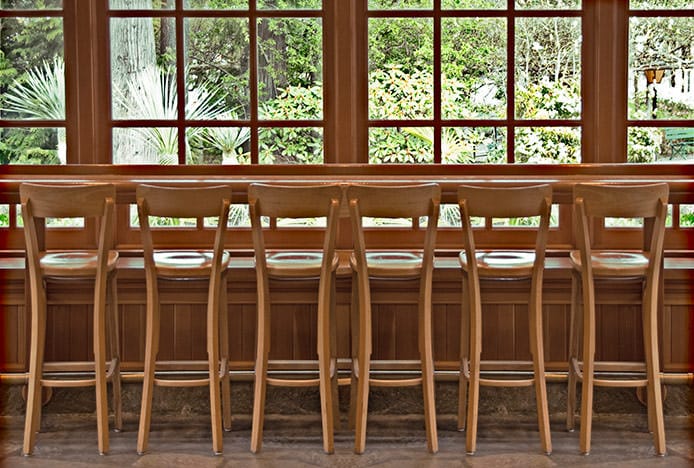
[132, 51]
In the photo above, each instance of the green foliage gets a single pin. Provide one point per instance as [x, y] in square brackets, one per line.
[643, 144]
[548, 145]
[40, 93]
[549, 100]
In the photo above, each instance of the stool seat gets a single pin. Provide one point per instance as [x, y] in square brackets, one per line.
[296, 264]
[609, 263]
[187, 263]
[392, 264]
[502, 263]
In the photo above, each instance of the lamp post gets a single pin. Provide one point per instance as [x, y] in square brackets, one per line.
[653, 75]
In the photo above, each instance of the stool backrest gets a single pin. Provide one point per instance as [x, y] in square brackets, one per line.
[41, 201]
[285, 201]
[595, 202]
[180, 202]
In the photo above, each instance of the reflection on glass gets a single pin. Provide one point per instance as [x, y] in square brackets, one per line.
[473, 4]
[661, 4]
[217, 73]
[289, 4]
[400, 4]
[142, 4]
[473, 64]
[401, 83]
[290, 145]
[290, 68]
[27, 145]
[548, 68]
[548, 145]
[473, 145]
[548, 4]
[215, 4]
[410, 145]
[218, 145]
[145, 145]
[660, 144]
[661, 72]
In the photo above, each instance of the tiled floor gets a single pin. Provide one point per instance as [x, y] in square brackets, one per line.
[392, 441]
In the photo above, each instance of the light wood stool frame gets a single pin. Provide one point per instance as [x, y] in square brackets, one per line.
[277, 201]
[594, 202]
[500, 202]
[91, 202]
[412, 201]
[181, 264]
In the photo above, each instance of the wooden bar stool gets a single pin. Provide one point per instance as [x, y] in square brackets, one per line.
[643, 263]
[479, 265]
[280, 204]
[414, 202]
[176, 265]
[50, 268]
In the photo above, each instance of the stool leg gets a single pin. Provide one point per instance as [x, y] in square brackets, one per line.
[574, 323]
[33, 410]
[354, 335]
[213, 307]
[100, 319]
[588, 363]
[334, 384]
[224, 346]
[324, 361]
[151, 350]
[427, 359]
[464, 351]
[655, 398]
[114, 346]
[263, 349]
[536, 343]
[364, 362]
[475, 356]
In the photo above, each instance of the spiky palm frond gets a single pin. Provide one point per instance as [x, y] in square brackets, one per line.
[41, 93]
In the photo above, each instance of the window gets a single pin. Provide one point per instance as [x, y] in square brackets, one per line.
[32, 82]
[661, 81]
[216, 81]
[473, 81]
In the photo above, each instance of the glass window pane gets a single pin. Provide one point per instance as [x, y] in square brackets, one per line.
[32, 145]
[143, 76]
[474, 4]
[290, 68]
[401, 83]
[216, 4]
[411, 145]
[687, 216]
[290, 145]
[467, 145]
[661, 4]
[289, 4]
[653, 144]
[400, 4]
[661, 72]
[548, 4]
[4, 215]
[548, 68]
[473, 64]
[217, 69]
[145, 145]
[32, 70]
[142, 4]
[31, 4]
[548, 145]
[218, 145]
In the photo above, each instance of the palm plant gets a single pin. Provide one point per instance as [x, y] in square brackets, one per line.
[228, 140]
[40, 94]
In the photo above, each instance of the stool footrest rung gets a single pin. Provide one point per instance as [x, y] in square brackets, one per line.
[395, 382]
[182, 382]
[293, 382]
[507, 383]
[620, 383]
[68, 383]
